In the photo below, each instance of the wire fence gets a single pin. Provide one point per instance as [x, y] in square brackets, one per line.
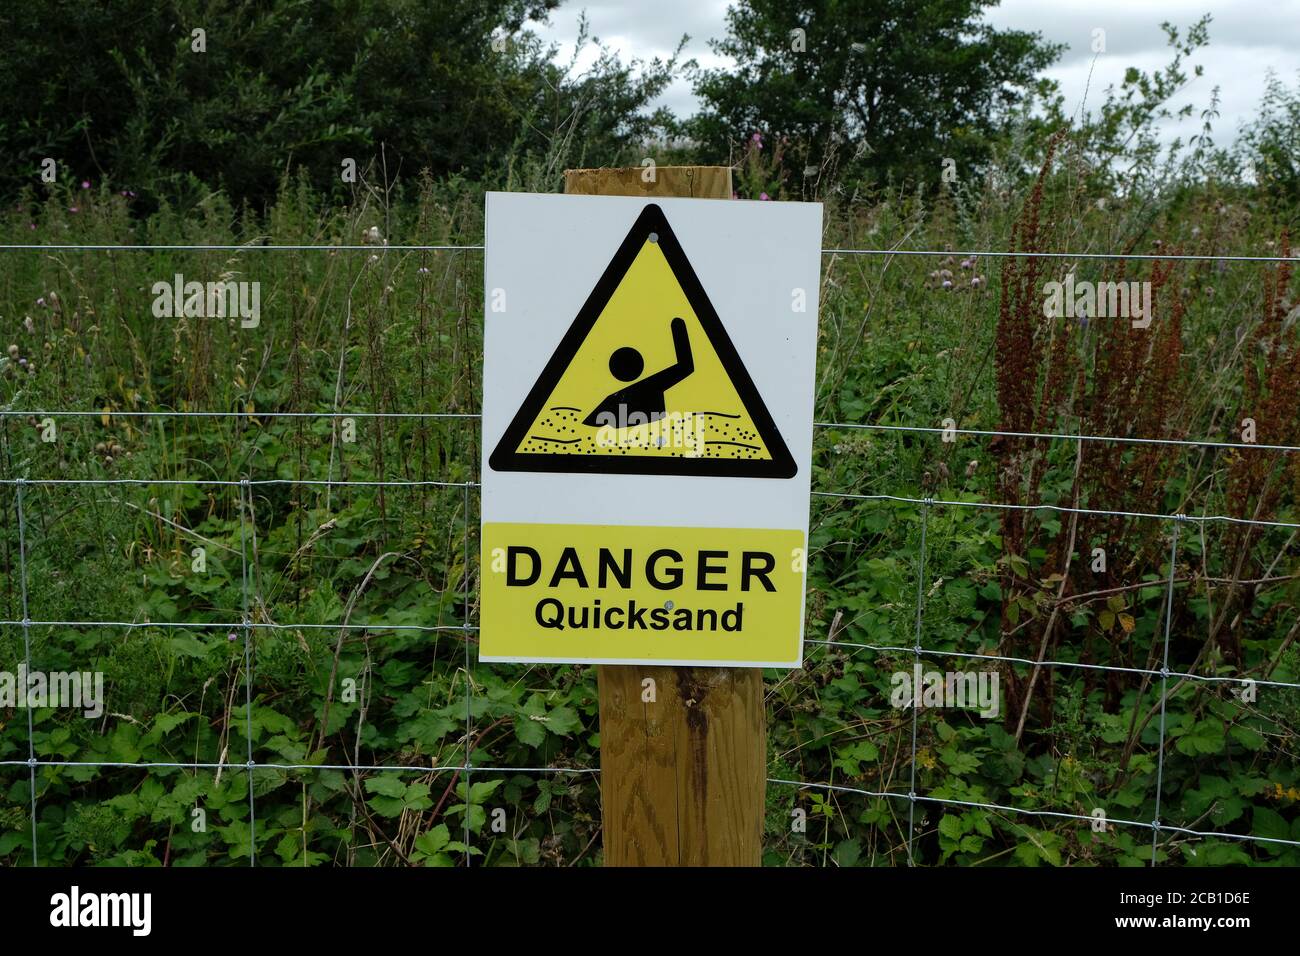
[248, 626]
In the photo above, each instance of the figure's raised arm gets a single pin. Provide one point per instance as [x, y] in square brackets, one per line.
[682, 345]
[666, 378]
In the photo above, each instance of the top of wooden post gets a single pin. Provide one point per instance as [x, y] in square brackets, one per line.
[700, 182]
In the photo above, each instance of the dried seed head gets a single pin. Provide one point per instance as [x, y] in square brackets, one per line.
[13, 351]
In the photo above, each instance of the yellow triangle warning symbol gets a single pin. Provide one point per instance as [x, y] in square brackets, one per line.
[646, 380]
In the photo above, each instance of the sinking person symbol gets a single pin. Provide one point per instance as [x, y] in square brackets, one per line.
[642, 401]
[594, 407]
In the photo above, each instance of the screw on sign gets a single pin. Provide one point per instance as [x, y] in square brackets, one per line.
[647, 435]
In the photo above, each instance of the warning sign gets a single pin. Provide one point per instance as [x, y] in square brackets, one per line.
[647, 429]
[707, 596]
[645, 380]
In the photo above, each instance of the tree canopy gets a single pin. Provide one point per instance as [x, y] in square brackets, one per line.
[125, 93]
[879, 89]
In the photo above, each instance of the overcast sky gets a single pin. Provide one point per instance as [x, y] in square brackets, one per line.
[1247, 38]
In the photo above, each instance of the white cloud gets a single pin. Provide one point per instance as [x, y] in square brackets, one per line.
[1246, 40]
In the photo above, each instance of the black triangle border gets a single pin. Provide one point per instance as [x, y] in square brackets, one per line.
[651, 219]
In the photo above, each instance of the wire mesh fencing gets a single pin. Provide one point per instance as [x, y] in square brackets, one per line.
[250, 622]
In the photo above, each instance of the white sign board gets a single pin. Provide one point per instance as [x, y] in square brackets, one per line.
[648, 384]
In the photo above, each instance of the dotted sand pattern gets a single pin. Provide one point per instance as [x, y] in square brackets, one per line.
[560, 431]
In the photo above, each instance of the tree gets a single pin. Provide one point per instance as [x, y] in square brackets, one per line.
[127, 92]
[888, 88]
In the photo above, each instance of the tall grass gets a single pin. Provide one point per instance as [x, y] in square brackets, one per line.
[383, 330]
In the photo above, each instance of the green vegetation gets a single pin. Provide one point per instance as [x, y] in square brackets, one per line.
[903, 340]
[448, 85]
[869, 91]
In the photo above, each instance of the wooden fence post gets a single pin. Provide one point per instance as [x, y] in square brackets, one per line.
[683, 778]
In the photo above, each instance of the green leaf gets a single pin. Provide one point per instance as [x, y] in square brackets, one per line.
[1269, 823]
[9, 841]
[429, 728]
[479, 791]
[1206, 737]
[950, 826]
[386, 806]
[1027, 854]
[187, 645]
[386, 784]
[563, 721]
[1249, 738]
[434, 840]
[529, 732]
[847, 853]
[543, 802]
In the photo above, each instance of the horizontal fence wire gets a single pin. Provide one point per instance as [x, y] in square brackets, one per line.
[413, 483]
[376, 768]
[976, 805]
[869, 426]
[250, 627]
[471, 247]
